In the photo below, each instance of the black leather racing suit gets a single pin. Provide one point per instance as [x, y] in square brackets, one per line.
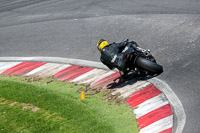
[113, 57]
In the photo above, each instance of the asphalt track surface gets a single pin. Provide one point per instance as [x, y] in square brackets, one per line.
[71, 28]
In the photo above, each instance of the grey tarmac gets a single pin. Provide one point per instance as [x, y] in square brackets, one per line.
[71, 28]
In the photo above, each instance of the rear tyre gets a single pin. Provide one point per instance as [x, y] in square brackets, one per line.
[149, 65]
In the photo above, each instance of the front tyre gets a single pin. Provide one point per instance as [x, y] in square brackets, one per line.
[149, 65]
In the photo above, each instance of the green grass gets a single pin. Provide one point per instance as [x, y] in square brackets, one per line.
[60, 109]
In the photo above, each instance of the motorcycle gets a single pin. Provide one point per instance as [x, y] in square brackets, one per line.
[141, 62]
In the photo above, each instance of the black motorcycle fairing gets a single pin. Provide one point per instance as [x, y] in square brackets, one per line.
[113, 57]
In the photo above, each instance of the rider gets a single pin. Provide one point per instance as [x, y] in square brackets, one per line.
[115, 55]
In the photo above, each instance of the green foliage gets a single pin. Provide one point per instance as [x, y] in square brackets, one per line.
[59, 109]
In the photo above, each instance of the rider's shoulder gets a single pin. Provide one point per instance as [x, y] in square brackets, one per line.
[114, 43]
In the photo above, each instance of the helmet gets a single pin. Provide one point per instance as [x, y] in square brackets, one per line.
[101, 44]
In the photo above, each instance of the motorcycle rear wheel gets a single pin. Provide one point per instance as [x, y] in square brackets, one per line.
[149, 65]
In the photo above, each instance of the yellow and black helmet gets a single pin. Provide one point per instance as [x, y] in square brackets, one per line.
[101, 44]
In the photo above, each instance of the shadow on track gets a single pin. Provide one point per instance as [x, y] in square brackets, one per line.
[132, 79]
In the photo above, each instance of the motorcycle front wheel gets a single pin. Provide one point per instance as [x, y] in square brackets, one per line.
[149, 65]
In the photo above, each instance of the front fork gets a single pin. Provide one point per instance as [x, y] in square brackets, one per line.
[131, 60]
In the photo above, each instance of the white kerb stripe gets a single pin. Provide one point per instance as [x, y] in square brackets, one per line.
[103, 76]
[135, 89]
[174, 101]
[87, 75]
[41, 68]
[128, 86]
[89, 81]
[7, 65]
[150, 105]
[3, 64]
[55, 68]
[159, 126]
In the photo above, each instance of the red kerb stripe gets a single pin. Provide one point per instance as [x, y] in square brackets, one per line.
[142, 95]
[76, 74]
[15, 68]
[23, 68]
[167, 131]
[154, 116]
[28, 68]
[66, 70]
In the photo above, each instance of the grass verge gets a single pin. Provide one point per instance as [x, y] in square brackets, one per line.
[54, 106]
